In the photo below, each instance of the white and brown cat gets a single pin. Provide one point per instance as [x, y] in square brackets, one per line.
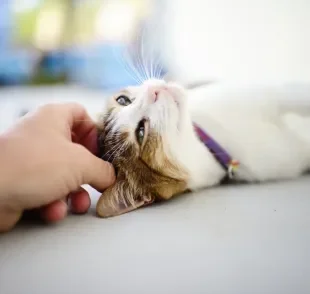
[165, 140]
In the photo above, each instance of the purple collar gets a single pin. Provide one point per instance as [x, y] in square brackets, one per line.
[223, 158]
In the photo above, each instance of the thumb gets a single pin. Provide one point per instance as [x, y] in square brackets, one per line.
[96, 172]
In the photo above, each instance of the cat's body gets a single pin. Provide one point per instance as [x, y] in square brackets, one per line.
[256, 126]
[263, 128]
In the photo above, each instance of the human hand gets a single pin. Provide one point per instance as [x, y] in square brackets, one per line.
[46, 157]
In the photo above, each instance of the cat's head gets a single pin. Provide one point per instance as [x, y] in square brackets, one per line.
[140, 134]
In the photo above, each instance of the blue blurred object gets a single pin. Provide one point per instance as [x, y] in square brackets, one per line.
[5, 24]
[106, 65]
[100, 66]
[54, 63]
[15, 66]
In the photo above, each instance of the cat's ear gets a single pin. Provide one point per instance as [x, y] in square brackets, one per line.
[122, 198]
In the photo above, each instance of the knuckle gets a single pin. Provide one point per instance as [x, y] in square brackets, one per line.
[73, 106]
[47, 108]
[52, 107]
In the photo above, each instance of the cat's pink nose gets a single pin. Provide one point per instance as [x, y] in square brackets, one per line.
[155, 95]
[154, 92]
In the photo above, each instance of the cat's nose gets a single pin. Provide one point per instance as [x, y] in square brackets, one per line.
[155, 95]
[154, 92]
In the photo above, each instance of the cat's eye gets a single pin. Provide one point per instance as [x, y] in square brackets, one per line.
[140, 132]
[123, 100]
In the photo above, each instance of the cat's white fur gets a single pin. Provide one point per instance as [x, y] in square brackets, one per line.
[259, 126]
[264, 128]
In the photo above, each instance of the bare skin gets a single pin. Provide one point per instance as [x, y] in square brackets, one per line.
[44, 160]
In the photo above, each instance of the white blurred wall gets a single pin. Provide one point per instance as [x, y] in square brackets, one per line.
[241, 39]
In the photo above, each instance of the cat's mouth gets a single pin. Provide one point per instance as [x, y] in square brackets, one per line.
[166, 93]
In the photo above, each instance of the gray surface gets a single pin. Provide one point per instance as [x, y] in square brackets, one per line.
[234, 239]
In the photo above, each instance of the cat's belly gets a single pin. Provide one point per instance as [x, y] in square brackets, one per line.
[254, 131]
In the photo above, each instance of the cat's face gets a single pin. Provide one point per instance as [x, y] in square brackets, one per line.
[140, 133]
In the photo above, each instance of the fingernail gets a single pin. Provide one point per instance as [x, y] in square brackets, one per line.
[110, 171]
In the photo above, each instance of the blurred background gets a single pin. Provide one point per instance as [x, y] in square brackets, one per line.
[81, 50]
[70, 41]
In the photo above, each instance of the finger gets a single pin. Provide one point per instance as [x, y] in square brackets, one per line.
[81, 125]
[54, 212]
[94, 171]
[88, 140]
[91, 141]
[78, 124]
[79, 201]
[8, 220]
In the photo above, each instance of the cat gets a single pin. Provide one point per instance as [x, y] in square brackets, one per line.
[165, 140]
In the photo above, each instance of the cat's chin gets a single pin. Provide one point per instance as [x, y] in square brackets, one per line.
[168, 98]
[159, 90]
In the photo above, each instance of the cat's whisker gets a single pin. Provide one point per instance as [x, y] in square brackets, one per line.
[155, 69]
[150, 64]
[115, 146]
[131, 73]
[151, 54]
[140, 61]
[109, 152]
[108, 141]
[143, 56]
[159, 75]
[132, 67]
[114, 141]
[153, 66]
[121, 146]
[158, 68]
[120, 152]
